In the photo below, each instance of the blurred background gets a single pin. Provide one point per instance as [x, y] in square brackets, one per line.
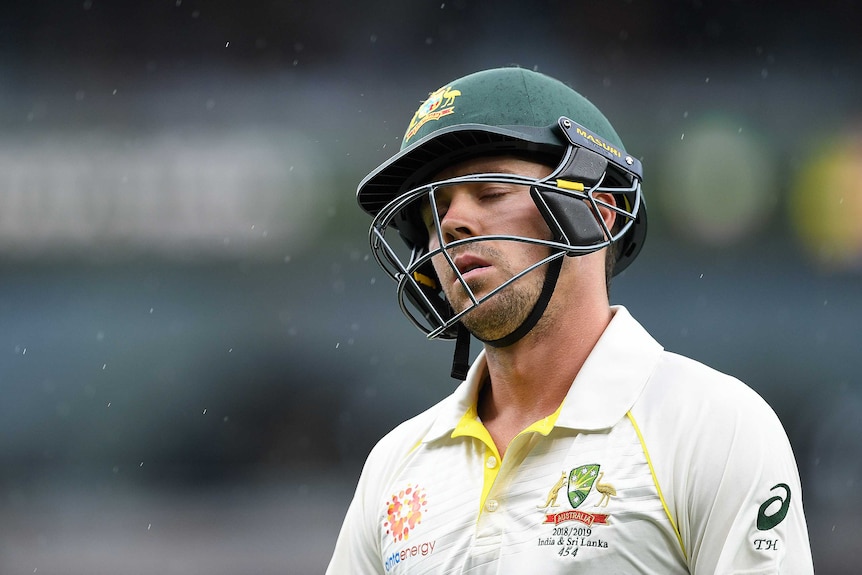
[197, 350]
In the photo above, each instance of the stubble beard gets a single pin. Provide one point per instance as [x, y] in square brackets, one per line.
[502, 313]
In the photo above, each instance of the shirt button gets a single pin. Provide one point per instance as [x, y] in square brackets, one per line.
[491, 463]
[491, 505]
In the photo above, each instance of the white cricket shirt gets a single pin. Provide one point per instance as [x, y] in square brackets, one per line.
[653, 463]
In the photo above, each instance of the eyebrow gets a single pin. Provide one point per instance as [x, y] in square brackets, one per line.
[499, 170]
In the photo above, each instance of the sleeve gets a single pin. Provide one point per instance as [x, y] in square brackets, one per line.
[357, 549]
[742, 502]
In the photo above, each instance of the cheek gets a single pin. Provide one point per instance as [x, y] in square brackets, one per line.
[528, 222]
[441, 266]
[433, 242]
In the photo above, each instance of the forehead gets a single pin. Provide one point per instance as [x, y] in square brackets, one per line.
[495, 164]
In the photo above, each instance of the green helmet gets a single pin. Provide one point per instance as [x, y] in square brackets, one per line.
[505, 111]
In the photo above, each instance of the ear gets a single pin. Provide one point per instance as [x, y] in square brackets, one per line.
[608, 215]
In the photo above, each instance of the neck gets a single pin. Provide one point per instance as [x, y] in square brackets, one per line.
[529, 379]
[533, 376]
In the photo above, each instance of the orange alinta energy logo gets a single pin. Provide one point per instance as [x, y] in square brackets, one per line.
[404, 512]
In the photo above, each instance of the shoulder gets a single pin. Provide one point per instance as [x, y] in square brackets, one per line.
[693, 417]
[394, 447]
[698, 393]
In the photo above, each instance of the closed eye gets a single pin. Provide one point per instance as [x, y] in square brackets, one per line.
[492, 195]
[496, 190]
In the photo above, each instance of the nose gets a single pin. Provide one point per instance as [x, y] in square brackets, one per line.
[458, 219]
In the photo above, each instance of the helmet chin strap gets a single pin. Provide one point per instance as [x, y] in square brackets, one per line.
[461, 360]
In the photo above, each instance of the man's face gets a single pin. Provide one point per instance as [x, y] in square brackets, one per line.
[483, 209]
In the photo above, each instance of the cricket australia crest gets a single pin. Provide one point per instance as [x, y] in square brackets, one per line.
[581, 481]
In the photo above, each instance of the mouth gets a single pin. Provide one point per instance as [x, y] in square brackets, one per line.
[468, 264]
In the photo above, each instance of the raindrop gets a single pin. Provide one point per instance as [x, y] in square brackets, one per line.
[205, 411]
[227, 44]
[682, 137]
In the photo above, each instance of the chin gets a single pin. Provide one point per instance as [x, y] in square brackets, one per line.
[489, 322]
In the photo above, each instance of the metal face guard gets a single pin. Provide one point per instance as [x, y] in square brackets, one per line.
[568, 207]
